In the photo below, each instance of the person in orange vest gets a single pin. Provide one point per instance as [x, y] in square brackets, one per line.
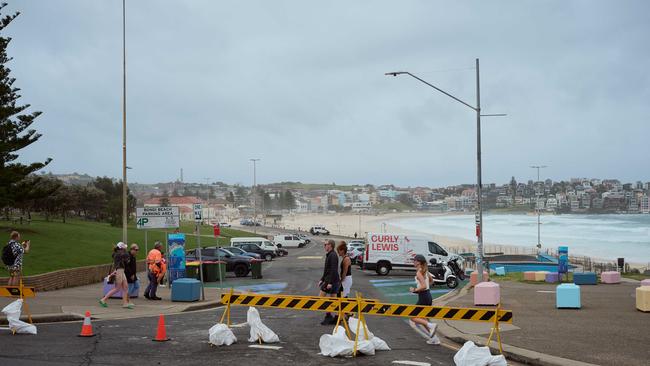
[154, 263]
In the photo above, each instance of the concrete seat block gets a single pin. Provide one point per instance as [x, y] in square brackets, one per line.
[643, 298]
[186, 289]
[540, 275]
[645, 282]
[487, 293]
[473, 278]
[552, 277]
[610, 277]
[585, 278]
[134, 289]
[567, 295]
[529, 276]
[501, 271]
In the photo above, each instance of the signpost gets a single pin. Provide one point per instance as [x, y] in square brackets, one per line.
[156, 217]
[198, 216]
[563, 262]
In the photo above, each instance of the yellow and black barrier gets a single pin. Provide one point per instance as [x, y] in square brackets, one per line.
[373, 307]
[17, 291]
[363, 307]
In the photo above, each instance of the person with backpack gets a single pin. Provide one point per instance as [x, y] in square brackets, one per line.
[12, 257]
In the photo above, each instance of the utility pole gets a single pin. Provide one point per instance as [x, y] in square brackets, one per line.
[254, 193]
[539, 221]
[207, 183]
[124, 182]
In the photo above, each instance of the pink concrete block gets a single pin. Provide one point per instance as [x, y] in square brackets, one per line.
[473, 278]
[487, 293]
[529, 276]
[540, 275]
[610, 277]
[645, 282]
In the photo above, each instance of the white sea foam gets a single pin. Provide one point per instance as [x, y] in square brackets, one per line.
[601, 236]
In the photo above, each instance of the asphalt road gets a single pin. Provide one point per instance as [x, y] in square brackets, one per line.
[129, 341]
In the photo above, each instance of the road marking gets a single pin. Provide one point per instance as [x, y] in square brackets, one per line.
[240, 325]
[413, 363]
[261, 346]
[546, 291]
[311, 257]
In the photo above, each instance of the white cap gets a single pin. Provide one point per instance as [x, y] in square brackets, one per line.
[121, 245]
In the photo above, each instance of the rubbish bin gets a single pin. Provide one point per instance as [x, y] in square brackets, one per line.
[221, 270]
[256, 269]
[210, 272]
[192, 271]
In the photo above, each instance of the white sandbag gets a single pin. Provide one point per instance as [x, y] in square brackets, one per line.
[338, 344]
[258, 329]
[473, 355]
[12, 311]
[378, 343]
[220, 335]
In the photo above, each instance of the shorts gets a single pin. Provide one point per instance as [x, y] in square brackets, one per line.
[14, 271]
[333, 290]
[346, 286]
[424, 298]
[120, 277]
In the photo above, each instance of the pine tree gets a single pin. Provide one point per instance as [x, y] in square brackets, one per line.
[14, 126]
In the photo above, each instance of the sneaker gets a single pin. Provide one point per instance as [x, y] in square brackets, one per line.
[103, 303]
[146, 296]
[434, 340]
[432, 329]
[156, 298]
[128, 306]
[327, 320]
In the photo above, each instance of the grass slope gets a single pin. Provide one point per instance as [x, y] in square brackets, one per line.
[77, 243]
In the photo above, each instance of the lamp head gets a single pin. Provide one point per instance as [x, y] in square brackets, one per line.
[395, 73]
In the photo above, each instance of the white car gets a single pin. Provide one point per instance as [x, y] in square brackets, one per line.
[224, 224]
[288, 241]
[318, 230]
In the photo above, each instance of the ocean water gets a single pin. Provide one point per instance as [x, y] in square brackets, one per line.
[600, 236]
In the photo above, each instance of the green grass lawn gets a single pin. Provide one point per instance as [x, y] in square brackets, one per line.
[635, 276]
[77, 243]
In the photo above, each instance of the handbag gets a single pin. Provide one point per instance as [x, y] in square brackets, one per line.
[110, 279]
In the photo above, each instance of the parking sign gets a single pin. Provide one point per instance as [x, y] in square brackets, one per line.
[198, 212]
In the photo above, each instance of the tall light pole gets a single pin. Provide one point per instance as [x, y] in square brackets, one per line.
[479, 185]
[539, 222]
[124, 182]
[207, 183]
[254, 193]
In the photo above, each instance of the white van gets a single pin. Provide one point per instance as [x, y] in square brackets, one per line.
[388, 251]
[288, 241]
[264, 243]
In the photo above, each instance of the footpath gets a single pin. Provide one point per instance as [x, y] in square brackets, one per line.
[72, 303]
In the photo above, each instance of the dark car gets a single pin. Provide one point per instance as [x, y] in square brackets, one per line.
[240, 251]
[254, 248]
[240, 265]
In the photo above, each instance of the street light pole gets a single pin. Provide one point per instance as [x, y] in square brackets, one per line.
[124, 182]
[479, 185]
[539, 223]
[254, 193]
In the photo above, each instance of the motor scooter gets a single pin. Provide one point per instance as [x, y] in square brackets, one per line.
[455, 269]
[442, 274]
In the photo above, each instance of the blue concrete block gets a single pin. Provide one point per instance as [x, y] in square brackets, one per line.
[585, 278]
[186, 289]
[501, 271]
[134, 289]
[567, 295]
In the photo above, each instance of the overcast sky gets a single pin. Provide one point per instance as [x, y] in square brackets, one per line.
[301, 85]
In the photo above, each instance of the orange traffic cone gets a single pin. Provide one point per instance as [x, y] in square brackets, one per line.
[161, 333]
[87, 328]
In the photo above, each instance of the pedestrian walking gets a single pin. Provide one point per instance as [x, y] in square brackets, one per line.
[330, 281]
[12, 256]
[154, 267]
[346, 269]
[355, 235]
[121, 260]
[423, 280]
[131, 270]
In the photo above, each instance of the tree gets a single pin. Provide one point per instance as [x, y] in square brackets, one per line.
[164, 202]
[15, 133]
[289, 201]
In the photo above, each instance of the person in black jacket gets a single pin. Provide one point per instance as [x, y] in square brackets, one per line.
[330, 281]
[132, 267]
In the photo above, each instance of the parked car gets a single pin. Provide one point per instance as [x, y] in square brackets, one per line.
[240, 251]
[254, 248]
[356, 254]
[319, 230]
[304, 237]
[224, 224]
[356, 243]
[264, 243]
[240, 265]
[288, 241]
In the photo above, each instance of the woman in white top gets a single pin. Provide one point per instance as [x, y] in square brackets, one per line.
[346, 269]
[423, 280]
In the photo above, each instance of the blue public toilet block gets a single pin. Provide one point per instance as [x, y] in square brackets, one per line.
[186, 289]
[567, 295]
[585, 278]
